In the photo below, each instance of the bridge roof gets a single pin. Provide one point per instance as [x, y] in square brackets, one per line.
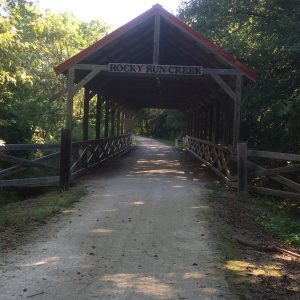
[179, 44]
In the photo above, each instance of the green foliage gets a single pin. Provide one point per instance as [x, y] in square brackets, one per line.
[264, 35]
[284, 226]
[159, 123]
[31, 95]
[38, 209]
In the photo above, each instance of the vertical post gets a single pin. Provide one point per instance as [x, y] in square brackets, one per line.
[237, 111]
[98, 117]
[122, 123]
[205, 125]
[118, 122]
[214, 123]
[156, 39]
[217, 123]
[210, 124]
[113, 119]
[85, 121]
[70, 96]
[65, 159]
[242, 168]
[106, 129]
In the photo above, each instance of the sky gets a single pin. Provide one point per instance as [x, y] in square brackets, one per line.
[114, 12]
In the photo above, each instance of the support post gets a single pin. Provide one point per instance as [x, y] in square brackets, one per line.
[237, 112]
[98, 117]
[122, 123]
[70, 96]
[210, 124]
[85, 121]
[113, 119]
[242, 169]
[106, 129]
[205, 124]
[118, 122]
[156, 39]
[65, 159]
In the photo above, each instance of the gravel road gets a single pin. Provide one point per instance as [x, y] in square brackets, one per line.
[142, 232]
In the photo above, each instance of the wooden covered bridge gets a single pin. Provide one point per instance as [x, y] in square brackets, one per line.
[154, 61]
[158, 61]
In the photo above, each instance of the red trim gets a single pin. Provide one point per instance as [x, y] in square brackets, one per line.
[156, 9]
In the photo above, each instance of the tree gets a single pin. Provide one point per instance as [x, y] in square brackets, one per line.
[264, 35]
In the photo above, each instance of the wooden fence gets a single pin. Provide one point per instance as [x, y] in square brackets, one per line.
[271, 173]
[44, 168]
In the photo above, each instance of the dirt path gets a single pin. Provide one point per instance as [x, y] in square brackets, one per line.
[141, 233]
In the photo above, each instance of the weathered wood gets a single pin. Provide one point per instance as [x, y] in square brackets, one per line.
[237, 112]
[106, 121]
[86, 112]
[22, 147]
[16, 169]
[70, 96]
[285, 181]
[156, 39]
[272, 192]
[242, 168]
[113, 119]
[122, 123]
[40, 181]
[26, 162]
[65, 159]
[98, 116]
[118, 122]
[274, 155]
[227, 89]
[276, 171]
[85, 80]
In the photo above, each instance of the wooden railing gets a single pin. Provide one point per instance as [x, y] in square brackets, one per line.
[13, 174]
[217, 157]
[86, 155]
[44, 169]
[271, 173]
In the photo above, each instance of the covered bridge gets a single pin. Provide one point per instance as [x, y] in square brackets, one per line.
[157, 61]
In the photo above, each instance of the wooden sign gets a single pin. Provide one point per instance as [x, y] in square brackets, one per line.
[155, 69]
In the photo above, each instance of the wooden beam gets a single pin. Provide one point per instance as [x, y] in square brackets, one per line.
[106, 129]
[70, 96]
[98, 117]
[274, 155]
[225, 87]
[156, 39]
[85, 80]
[86, 111]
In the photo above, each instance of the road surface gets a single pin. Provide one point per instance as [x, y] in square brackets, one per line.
[142, 232]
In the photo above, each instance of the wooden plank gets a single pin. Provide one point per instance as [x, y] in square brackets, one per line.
[276, 193]
[276, 171]
[70, 96]
[22, 147]
[65, 159]
[85, 80]
[26, 162]
[98, 116]
[91, 67]
[17, 169]
[242, 168]
[225, 87]
[86, 112]
[285, 181]
[156, 39]
[274, 155]
[40, 181]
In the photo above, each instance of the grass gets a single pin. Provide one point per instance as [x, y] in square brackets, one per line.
[38, 209]
[280, 217]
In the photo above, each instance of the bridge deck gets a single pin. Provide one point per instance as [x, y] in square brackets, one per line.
[143, 232]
